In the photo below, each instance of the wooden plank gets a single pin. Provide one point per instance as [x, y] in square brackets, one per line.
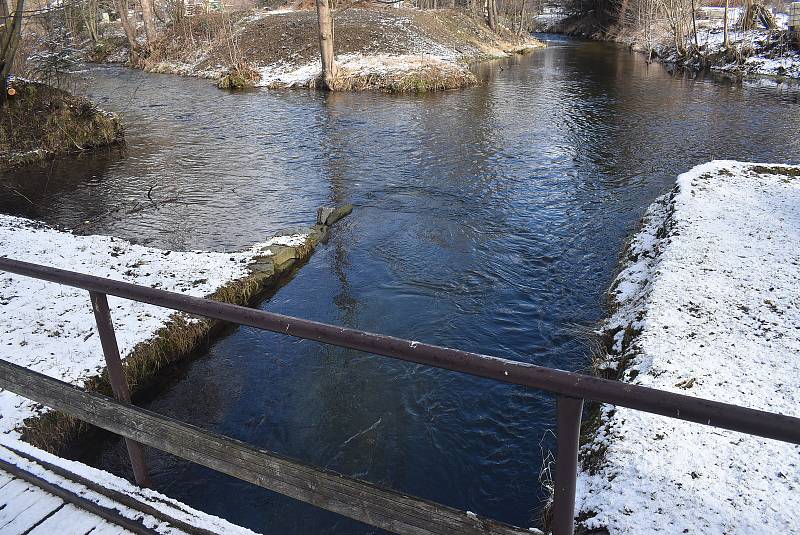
[114, 495]
[112, 515]
[362, 501]
[12, 490]
[105, 528]
[27, 510]
[71, 520]
[5, 479]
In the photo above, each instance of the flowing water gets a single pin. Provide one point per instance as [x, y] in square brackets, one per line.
[489, 219]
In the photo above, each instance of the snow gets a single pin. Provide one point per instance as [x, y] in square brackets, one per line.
[290, 75]
[164, 504]
[760, 50]
[50, 328]
[711, 281]
[756, 45]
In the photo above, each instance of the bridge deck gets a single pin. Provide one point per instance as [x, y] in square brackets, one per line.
[43, 494]
[26, 508]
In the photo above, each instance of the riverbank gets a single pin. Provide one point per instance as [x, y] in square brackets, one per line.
[757, 52]
[706, 305]
[379, 48]
[50, 328]
[40, 121]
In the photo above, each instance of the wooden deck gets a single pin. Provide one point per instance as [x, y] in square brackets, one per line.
[26, 508]
[43, 494]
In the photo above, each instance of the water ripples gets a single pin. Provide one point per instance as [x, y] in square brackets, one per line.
[488, 219]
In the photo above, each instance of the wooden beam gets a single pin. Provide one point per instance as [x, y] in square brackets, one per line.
[353, 498]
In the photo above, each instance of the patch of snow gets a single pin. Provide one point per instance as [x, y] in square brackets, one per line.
[50, 328]
[289, 75]
[712, 282]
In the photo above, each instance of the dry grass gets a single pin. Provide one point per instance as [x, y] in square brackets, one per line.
[240, 76]
[201, 45]
[40, 121]
[433, 77]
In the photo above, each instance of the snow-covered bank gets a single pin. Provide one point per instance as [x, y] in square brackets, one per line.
[377, 48]
[381, 71]
[755, 52]
[708, 304]
[50, 328]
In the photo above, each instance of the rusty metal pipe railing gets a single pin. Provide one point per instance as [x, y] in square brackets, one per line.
[569, 411]
[680, 406]
[570, 387]
[116, 376]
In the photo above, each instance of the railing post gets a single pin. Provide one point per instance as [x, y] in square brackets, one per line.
[116, 375]
[568, 429]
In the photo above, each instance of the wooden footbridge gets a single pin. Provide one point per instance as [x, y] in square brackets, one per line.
[371, 504]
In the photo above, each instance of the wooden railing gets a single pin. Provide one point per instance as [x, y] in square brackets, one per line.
[360, 500]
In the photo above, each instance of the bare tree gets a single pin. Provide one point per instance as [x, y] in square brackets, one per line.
[88, 9]
[10, 30]
[491, 14]
[325, 22]
[122, 9]
[725, 40]
[149, 19]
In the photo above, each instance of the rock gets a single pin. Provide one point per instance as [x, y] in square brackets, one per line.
[328, 216]
[282, 255]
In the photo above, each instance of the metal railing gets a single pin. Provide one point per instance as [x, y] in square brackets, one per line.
[570, 389]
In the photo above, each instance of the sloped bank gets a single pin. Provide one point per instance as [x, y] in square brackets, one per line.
[393, 50]
[706, 305]
[50, 328]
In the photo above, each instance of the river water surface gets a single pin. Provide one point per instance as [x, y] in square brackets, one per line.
[488, 219]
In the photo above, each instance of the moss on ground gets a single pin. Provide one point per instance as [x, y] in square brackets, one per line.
[40, 121]
[239, 77]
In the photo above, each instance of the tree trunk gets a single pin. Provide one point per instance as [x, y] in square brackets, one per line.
[725, 41]
[9, 41]
[149, 19]
[491, 14]
[89, 14]
[747, 15]
[325, 22]
[694, 28]
[122, 10]
[623, 14]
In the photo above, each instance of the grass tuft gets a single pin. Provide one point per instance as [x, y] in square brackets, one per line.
[40, 121]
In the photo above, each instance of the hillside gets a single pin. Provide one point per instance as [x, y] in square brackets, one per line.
[376, 48]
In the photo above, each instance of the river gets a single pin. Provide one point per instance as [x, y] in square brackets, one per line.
[489, 219]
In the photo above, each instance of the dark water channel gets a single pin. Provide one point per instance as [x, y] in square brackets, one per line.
[489, 219]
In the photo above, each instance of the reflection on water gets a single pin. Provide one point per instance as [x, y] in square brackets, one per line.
[488, 219]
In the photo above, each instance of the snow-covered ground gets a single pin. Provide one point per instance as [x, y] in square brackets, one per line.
[289, 75]
[759, 52]
[711, 284]
[381, 46]
[50, 328]
[753, 52]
